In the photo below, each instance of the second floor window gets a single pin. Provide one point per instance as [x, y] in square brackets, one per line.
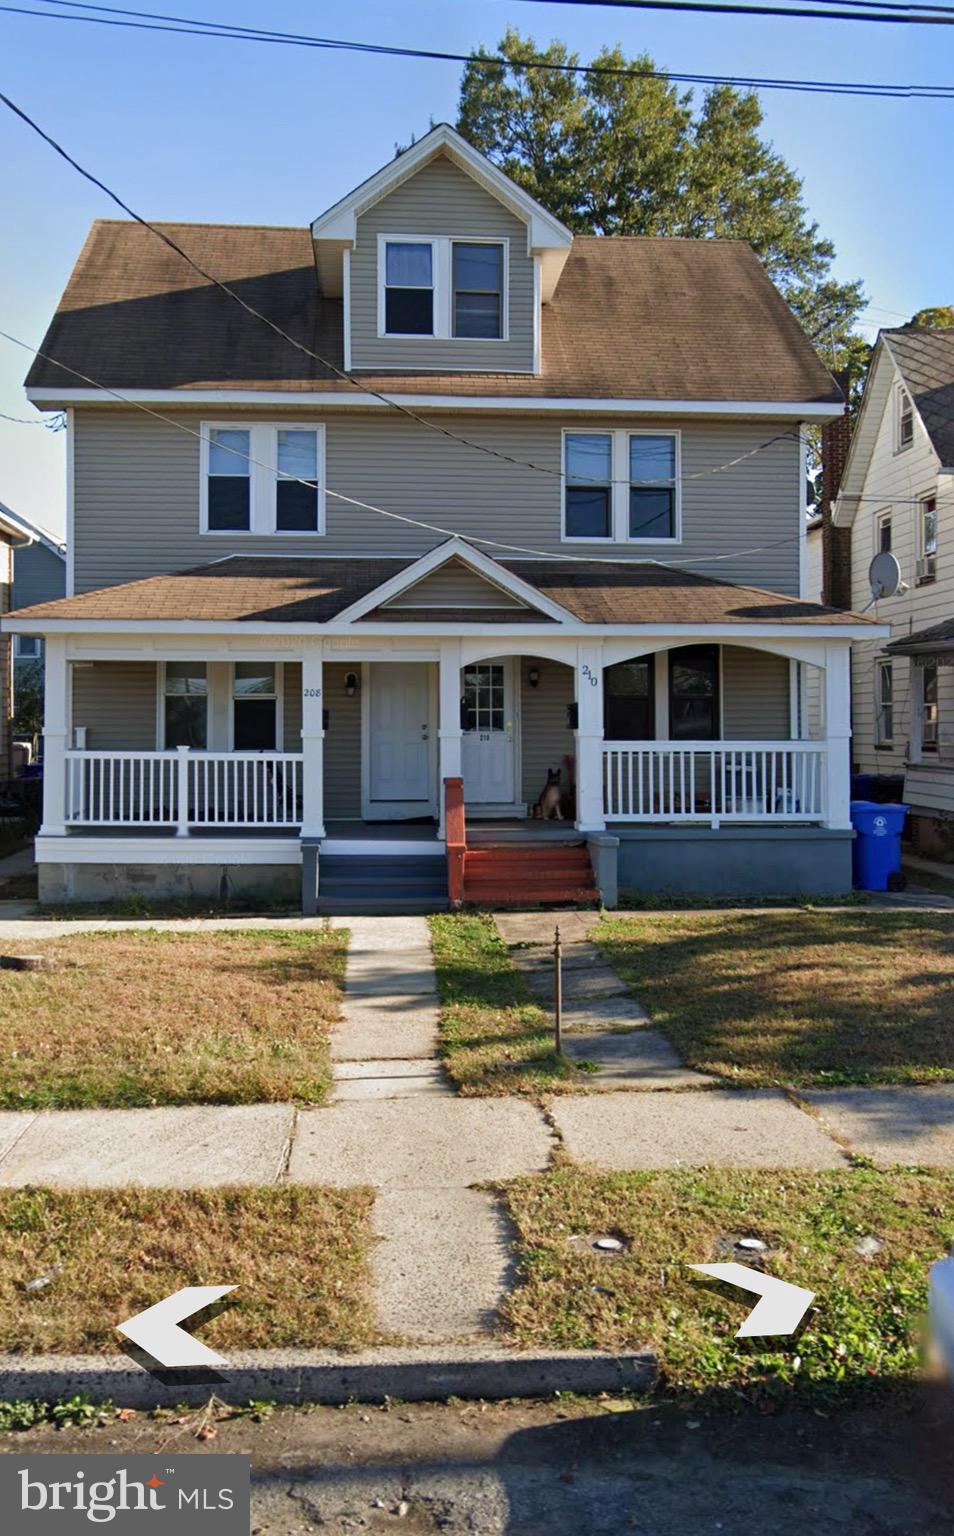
[927, 539]
[621, 485]
[262, 479]
[884, 703]
[905, 420]
[478, 290]
[883, 534]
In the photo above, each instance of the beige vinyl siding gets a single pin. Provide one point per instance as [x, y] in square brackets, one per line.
[454, 586]
[136, 490]
[896, 482]
[755, 694]
[342, 744]
[545, 737]
[439, 200]
[117, 703]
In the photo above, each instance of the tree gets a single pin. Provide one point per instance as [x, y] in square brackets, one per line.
[632, 155]
[938, 318]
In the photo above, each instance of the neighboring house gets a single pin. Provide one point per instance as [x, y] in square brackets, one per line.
[14, 535]
[897, 494]
[540, 506]
[39, 576]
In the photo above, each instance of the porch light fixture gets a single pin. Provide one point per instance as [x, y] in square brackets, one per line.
[533, 677]
[351, 684]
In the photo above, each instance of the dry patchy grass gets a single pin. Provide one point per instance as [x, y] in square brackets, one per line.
[299, 1257]
[865, 1325]
[150, 1017]
[808, 998]
[495, 1039]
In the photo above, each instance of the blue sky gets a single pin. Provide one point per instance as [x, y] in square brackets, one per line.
[188, 128]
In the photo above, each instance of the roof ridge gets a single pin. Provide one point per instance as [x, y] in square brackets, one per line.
[302, 229]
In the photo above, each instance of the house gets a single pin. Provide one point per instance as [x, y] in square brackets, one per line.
[39, 576]
[14, 535]
[477, 500]
[897, 495]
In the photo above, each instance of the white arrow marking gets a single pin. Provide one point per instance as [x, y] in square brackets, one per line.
[157, 1329]
[781, 1308]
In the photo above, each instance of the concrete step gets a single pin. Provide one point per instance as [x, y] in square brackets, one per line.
[383, 905]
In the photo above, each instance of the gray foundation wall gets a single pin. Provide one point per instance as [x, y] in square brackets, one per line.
[734, 861]
[67, 883]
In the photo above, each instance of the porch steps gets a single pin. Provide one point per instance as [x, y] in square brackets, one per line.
[379, 886]
[529, 875]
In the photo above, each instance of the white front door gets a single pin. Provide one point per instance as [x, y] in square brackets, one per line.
[488, 742]
[400, 749]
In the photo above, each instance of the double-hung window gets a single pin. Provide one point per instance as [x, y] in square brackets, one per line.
[409, 287]
[27, 647]
[254, 706]
[262, 479]
[927, 539]
[928, 708]
[905, 427]
[441, 287]
[629, 701]
[884, 703]
[883, 533]
[621, 486]
[185, 704]
[694, 703]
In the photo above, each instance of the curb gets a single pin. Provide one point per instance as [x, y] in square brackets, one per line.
[420, 1374]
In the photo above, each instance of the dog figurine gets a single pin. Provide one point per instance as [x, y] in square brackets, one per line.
[547, 807]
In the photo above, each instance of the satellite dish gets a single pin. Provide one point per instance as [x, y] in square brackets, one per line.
[884, 576]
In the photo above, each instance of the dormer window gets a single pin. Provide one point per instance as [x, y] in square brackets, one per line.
[409, 288]
[443, 288]
[478, 290]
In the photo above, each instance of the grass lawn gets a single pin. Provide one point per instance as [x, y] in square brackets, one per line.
[495, 1039]
[150, 1017]
[299, 1258]
[807, 998]
[865, 1323]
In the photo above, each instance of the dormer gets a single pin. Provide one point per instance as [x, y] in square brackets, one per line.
[442, 263]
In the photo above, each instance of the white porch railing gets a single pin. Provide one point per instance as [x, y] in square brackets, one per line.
[714, 781]
[183, 789]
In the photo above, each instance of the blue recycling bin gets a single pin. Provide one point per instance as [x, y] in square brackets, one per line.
[876, 855]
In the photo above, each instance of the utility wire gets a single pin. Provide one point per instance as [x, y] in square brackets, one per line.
[911, 16]
[157, 21]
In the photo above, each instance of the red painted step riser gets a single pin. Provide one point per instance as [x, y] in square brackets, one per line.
[523, 864]
[507, 893]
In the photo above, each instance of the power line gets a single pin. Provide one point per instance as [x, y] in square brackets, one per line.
[910, 16]
[156, 21]
[55, 424]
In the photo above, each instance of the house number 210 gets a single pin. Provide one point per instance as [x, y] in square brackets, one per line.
[591, 677]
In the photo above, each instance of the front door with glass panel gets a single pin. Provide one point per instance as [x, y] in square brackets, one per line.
[400, 751]
[488, 726]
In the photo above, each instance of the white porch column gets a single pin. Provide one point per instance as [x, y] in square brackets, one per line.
[56, 715]
[838, 735]
[312, 742]
[449, 734]
[590, 815]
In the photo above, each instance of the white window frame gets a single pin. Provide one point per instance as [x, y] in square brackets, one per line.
[20, 654]
[882, 517]
[929, 747]
[619, 490]
[279, 697]
[924, 576]
[884, 666]
[263, 480]
[442, 272]
[903, 404]
[161, 701]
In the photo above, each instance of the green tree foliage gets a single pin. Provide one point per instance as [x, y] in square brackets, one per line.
[939, 317]
[632, 155]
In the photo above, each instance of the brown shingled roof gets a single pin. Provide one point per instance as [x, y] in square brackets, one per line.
[631, 318]
[247, 588]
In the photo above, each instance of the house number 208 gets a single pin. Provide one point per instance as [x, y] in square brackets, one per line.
[591, 677]
[312, 693]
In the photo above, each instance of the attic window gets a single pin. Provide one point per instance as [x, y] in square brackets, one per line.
[905, 420]
[478, 290]
[409, 288]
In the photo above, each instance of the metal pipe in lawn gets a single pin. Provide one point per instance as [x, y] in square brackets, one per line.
[557, 991]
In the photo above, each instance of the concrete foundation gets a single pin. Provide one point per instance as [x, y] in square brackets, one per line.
[62, 884]
[734, 861]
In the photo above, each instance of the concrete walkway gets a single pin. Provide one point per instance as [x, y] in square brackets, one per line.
[602, 1024]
